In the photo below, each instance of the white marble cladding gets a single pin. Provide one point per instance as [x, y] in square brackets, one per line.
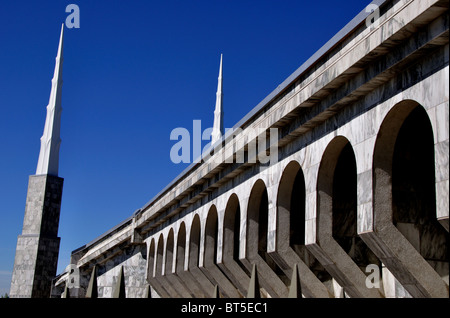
[134, 264]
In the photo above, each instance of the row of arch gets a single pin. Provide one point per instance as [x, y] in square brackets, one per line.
[276, 228]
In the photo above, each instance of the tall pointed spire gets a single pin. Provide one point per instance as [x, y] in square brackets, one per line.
[37, 250]
[50, 141]
[217, 131]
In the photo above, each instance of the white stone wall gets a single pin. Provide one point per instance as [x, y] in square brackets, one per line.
[134, 264]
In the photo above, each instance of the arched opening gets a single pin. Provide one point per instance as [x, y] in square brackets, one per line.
[258, 219]
[337, 218]
[169, 252]
[297, 209]
[181, 246]
[211, 233]
[232, 221]
[160, 256]
[151, 260]
[291, 202]
[231, 266]
[194, 242]
[344, 228]
[404, 203]
[291, 208]
[413, 191]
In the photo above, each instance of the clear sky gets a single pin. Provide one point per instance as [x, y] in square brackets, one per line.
[133, 72]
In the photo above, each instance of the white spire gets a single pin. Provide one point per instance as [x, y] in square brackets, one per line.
[217, 131]
[50, 141]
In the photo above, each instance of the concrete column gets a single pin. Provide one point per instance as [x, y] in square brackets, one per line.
[271, 283]
[281, 252]
[170, 272]
[160, 270]
[37, 250]
[396, 252]
[195, 250]
[439, 119]
[151, 269]
[319, 238]
[210, 246]
[182, 262]
[225, 255]
[375, 225]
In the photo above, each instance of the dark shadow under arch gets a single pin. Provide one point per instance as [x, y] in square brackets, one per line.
[194, 242]
[291, 203]
[291, 207]
[181, 248]
[211, 234]
[404, 199]
[258, 219]
[169, 251]
[232, 221]
[151, 259]
[159, 256]
[337, 214]
[414, 191]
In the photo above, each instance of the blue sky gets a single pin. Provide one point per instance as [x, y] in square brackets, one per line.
[133, 72]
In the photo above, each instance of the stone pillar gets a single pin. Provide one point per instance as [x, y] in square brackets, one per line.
[37, 249]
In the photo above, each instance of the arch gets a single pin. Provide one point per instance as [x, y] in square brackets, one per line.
[275, 281]
[194, 257]
[151, 272]
[230, 264]
[194, 242]
[232, 223]
[258, 215]
[344, 223]
[151, 260]
[160, 256]
[156, 278]
[413, 187]
[185, 281]
[404, 196]
[326, 183]
[169, 251]
[291, 207]
[290, 234]
[342, 252]
[170, 273]
[181, 248]
[210, 265]
[385, 142]
[211, 233]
